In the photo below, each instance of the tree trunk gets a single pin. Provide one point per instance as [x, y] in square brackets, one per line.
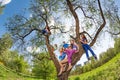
[64, 76]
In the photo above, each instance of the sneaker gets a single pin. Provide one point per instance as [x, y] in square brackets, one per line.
[88, 59]
[95, 57]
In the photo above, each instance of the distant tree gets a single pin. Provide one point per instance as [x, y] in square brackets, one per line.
[5, 44]
[117, 45]
[18, 63]
[44, 68]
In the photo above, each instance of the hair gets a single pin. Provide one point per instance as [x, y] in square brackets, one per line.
[48, 28]
[84, 37]
[72, 44]
[61, 49]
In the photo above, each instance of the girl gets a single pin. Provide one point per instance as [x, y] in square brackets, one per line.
[70, 51]
[73, 44]
[63, 59]
[86, 47]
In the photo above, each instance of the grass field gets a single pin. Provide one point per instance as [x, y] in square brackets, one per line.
[108, 71]
[6, 74]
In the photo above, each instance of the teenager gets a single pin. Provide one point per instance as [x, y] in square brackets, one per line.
[73, 44]
[86, 47]
[70, 51]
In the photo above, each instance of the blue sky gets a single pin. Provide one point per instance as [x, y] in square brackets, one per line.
[14, 7]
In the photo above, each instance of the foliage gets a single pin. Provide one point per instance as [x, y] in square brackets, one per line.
[117, 45]
[43, 69]
[108, 71]
[5, 45]
[8, 74]
[9, 58]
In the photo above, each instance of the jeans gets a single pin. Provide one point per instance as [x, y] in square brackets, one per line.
[86, 47]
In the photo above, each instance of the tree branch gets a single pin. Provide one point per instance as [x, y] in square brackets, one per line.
[113, 33]
[41, 58]
[59, 29]
[75, 17]
[102, 25]
[83, 12]
[84, 32]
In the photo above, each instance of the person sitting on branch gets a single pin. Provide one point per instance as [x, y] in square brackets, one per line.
[86, 47]
[46, 31]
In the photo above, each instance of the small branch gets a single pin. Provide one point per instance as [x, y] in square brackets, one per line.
[113, 33]
[90, 17]
[41, 58]
[101, 27]
[59, 29]
[72, 37]
[84, 32]
[75, 17]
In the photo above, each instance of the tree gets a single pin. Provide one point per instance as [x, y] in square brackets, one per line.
[17, 62]
[42, 11]
[44, 68]
[5, 44]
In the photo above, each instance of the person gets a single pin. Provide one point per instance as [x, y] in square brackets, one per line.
[65, 45]
[70, 51]
[73, 44]
[63, 59]
[46, 31]
[62, 54]
[86, 47]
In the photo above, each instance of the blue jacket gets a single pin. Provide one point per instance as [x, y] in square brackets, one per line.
[61, 57]
[65, 45]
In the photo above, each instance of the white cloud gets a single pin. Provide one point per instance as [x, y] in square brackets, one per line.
[4, 2]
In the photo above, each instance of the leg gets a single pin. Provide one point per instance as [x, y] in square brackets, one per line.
[64, 61]
[91, 51]
[62, 65]
[86, 51]
[70, 66]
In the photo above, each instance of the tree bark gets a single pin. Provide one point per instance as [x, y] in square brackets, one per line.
[64, 76]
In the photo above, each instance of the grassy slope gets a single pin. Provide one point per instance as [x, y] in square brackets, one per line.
[108, 71]
[6, 74]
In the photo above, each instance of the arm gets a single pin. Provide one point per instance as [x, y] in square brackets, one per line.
[84, 42]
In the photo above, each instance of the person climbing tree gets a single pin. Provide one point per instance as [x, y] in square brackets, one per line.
[63, 59]
[65, 45]
[73, 44]
[70, 51]
[46, 31]
[86, 47]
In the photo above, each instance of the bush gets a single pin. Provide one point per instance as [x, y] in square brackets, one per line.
[77, 78]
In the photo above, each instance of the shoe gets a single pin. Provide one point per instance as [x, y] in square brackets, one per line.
[88, 59]
[95, 57]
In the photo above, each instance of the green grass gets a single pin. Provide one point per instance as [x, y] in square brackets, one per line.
[108, 71]
[6, 74]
